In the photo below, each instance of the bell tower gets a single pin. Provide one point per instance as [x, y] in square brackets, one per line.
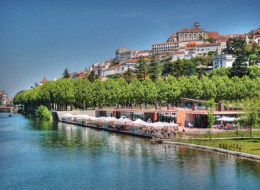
[196, 24]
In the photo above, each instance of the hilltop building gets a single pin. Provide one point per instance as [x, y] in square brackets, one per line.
[126, 54]
[224, 60]
[184, 37]
[44, 80]
[4, 100]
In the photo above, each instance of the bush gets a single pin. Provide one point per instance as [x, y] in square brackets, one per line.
[42, 113]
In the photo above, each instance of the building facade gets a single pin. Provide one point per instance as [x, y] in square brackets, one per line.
[224, 60]
[3, 98]
[192, 34]
[164, 47]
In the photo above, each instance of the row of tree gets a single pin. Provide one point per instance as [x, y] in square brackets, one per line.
[83, 93]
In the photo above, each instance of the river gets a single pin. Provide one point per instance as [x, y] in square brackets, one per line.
[44, 155]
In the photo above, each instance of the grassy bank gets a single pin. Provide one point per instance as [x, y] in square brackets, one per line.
[251, 146]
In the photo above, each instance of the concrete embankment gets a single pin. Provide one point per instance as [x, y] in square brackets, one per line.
[6, 109]
[240, 154]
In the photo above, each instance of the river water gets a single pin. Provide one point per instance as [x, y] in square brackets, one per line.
[43, 155]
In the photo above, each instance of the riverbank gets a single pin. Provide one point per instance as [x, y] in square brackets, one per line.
[95, 159]
[219, 150]
[219, 140]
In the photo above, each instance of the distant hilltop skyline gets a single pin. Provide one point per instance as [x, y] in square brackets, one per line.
[42, 38]
[177, 46]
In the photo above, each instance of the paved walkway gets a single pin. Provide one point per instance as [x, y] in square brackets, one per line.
[206, 130]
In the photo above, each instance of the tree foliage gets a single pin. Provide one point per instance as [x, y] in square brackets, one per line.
[42, 113]
[82, 92]
[66, 73]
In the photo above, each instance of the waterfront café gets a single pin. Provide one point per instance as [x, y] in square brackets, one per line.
[125, 125]
[169, 115]
[199, 118]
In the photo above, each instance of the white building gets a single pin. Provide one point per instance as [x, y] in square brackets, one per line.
[201, 49]
[99, 68]
[192, 34]
[110, 71]
[3, 98]
[121, 68]
[224, 60]
[164, 47]
[180, 55]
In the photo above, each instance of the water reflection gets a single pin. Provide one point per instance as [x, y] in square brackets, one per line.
[127, 162]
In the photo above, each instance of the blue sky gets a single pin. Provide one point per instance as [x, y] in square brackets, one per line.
[43, 37]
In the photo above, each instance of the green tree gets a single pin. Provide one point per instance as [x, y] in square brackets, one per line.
[239, 67]
[46, 94]
[223, 71]
[211, 121]
[221, 88]
[114, 62]
[162, 89]
[64, 92]
[92, 76]
[251, 107]
[141, 68]
[124, 92]
[195, 88]
[112, 91]
[66, 73]
[129, 75]
[173, 89]
[185, 85]
[155, 68]
[254, 71]
[42, 113]
[201, 61]
[150, 91]
[137, 90]
[250, 87]
[240, 89]
[253, 59]
[83, 92]
[208, 88]
[99, 93]
[236, 46]
[183, 67]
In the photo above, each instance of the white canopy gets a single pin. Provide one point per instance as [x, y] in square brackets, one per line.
[137, 122]
[226, 119]
[68, 115]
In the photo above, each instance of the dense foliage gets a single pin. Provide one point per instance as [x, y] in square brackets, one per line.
[42, 113]
[82, 93]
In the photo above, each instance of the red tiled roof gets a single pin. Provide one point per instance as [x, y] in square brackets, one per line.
[44, 80]
[205, 45]
[192, 30]
[178, 52]
[191, 44]
[213, 35]
[165, 43]
[173, 35]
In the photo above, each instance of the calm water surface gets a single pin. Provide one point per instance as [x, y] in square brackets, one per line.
[42, 155]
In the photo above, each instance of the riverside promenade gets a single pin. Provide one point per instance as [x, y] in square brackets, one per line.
[168, 135]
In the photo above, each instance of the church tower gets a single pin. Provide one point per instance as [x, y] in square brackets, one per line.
[197, 25]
